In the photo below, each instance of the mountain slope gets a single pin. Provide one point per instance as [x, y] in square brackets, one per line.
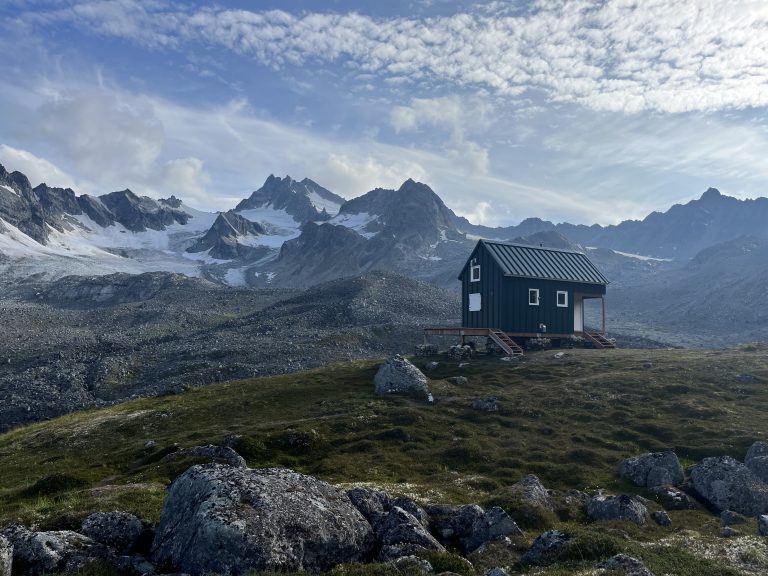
[306, 201]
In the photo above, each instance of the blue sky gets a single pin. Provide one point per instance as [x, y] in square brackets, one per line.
[567, 110]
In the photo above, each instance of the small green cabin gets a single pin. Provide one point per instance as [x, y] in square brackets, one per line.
[528, 291]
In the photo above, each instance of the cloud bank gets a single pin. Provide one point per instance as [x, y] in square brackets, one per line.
[618, 55]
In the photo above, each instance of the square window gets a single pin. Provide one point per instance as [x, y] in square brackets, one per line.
[533, 296]
[474, 273]
[562, 299]
[475, 302]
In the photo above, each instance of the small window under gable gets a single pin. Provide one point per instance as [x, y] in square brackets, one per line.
[474, 273]
[562, 299]
[533, 296]
[475, 302]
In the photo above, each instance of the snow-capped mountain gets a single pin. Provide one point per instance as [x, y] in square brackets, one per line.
[305, 201]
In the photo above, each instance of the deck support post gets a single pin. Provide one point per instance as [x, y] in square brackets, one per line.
[602, 299]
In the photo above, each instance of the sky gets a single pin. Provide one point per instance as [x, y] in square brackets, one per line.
[568, 110]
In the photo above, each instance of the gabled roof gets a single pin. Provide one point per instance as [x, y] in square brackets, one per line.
[543, 263]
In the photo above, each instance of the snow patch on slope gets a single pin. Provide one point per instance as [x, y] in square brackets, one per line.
[10, 190]
[280, 226]
[357, 222]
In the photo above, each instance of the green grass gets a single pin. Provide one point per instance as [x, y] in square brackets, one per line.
[570, 421]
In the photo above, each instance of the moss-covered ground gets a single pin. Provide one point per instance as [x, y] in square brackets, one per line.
[569, 420]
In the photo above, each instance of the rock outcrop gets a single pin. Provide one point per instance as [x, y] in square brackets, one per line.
[624, 564]
[729, 485]
[233, 520]
[398, 376]
[6, 556]
[623, 507]
[37, 553]
[653, 469]
[469, 527]
[401, 534]
[757, 460]
[118, 530]
[546, 548]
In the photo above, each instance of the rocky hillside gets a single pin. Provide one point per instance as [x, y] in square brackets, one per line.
[573, 488]
[82, 342]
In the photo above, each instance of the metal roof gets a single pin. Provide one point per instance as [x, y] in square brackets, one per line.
[544, 263]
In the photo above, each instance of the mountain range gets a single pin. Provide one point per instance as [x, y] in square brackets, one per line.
[289, 233]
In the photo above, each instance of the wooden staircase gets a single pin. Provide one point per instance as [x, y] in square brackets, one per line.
[598, 340]
[505, 342]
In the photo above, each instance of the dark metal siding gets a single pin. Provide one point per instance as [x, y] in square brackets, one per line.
[519, 316]
[505, 298]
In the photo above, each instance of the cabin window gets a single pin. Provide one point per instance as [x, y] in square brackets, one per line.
[474, 273]
[533, 296]
[475, 302]
[562, 299]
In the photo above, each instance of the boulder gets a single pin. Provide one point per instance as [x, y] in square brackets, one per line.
[729, 485]
[627, 565]
[401, 534]
[652, 469]
[757, 460]
[459, 352]
[546, 548]
[497, 571]
[623, 507]
[36, 553]
[673, 498]
[441, 521]
[6, 556]
[731, 518]
[372, 504]
[223, 519]
[487, 404]
[412, 508]
[216, 454]
[762, 525]
[532, 492]
[118, 530]
[403, 564]
[661, 518]
[398, 376]
[494, 524]
[458, 380]
[729, 532]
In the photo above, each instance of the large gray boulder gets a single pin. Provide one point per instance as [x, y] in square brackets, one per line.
[624, 564]
[398, 376]
[372, 504]
[401, 534]
[222, 519]
[119, 530]
[469, 527]
[623, 507]
[6, 556]
[757, 460]
[36, 553]
[546, 548]
[652, 469]
[532, 492]
[729, 485]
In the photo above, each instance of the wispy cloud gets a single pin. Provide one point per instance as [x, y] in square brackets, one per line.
[659, 55]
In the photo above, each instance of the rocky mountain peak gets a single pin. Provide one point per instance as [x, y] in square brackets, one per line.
[306, 201]
[137, 213]
[711, 194]
[230, 237]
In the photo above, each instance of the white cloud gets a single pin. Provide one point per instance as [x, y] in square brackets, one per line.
[660, 55]
[38, 170]
[187, 178]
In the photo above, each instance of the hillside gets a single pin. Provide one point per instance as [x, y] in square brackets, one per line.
[570, 421]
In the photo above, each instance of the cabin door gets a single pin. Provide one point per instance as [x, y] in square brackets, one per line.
[578, 313]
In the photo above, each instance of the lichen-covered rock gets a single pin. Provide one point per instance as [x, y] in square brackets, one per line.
[493, 524]
[673, 498]
[497, 571]
[405, 563]
[487, 404]
[757, 460]
[661, 518]
[458, 380]
[398, 376]
[412, 508]
[216, 454]
[729, 485]
[626, 565]
[546, 548]
[652, 469]
[469, 527]
[401, 534]
[119, 530]
[222, 519]
[372, 504]
[36, 553]
[532, 492]
[459, 352]
[6, 556]
[623, 507]
[762, 525]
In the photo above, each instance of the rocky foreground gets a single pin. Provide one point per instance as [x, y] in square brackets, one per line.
[225, 518]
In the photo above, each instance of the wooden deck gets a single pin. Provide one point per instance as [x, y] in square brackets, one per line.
[505, 339]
